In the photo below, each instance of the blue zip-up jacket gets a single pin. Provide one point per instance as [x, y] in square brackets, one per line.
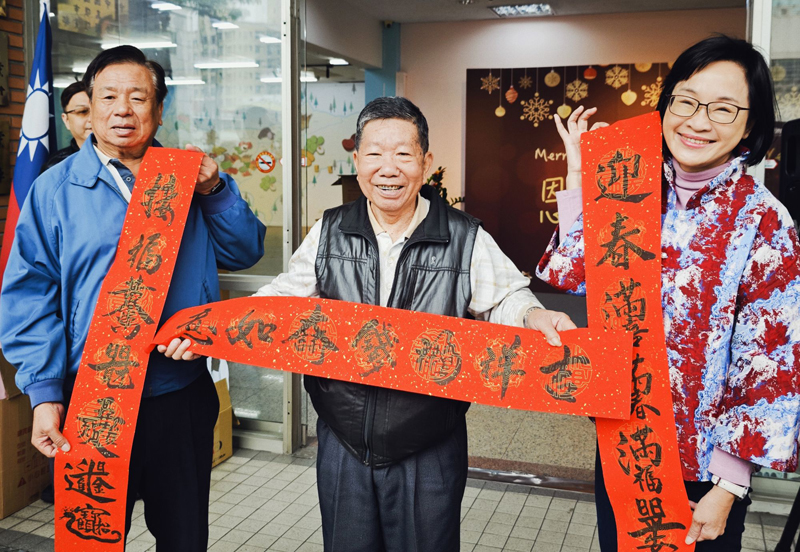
[65, 243]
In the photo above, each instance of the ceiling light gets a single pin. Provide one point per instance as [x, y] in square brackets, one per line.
[62, 83]
[270, 40]
[226, 65]
[339, 61]
[222, 25]
[141, 45]
[523, 10]
[305, 76]
[164, 6]
[177, 81]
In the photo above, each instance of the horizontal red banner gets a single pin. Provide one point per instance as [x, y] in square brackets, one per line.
[423, 353]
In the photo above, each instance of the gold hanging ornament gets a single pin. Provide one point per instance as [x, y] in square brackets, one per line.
[500, 111]
[536, 109]
[564, 110]
[643, 67]
[552, 78]
[652, 92]
[617, 77]
[629, 96]
[525, 81]
[577, 90]
[490, 82]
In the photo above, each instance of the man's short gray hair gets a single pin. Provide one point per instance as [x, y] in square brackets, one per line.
[393, 107]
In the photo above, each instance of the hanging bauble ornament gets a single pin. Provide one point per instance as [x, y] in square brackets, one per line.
[670, 64]
[778, 73]
[552, 79]
[643, 67]
[500, 111]
[629, 97]
[590, 73]
[606, 65]
[564, 111]
[511, 95]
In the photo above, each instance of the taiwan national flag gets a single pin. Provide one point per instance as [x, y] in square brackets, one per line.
[37, 139]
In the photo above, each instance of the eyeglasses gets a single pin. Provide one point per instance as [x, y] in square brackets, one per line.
[78, 112]
[723, 113]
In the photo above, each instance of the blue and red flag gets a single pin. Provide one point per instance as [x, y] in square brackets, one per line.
[37, 138]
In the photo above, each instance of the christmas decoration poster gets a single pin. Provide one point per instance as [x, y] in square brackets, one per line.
[515, 161]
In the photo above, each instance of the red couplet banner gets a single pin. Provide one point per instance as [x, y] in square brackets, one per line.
[622, 234]
[91, 480]
[412, 351]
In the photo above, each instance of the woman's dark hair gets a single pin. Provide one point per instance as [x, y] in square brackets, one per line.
[761, 116]
[125, 54]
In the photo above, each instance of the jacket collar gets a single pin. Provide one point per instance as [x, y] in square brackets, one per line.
[87, 169]
[735, 169]
[433, 228]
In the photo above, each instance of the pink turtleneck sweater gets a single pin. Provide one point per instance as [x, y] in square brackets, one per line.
[570, 207]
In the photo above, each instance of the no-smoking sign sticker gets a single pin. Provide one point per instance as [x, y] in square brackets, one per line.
[266, 161]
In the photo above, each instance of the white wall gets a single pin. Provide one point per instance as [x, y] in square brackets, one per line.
[436, 56]
[345, 31]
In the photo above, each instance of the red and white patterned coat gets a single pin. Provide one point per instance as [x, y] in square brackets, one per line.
[731, 299]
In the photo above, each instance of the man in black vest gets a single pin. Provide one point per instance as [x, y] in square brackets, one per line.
[392, 465]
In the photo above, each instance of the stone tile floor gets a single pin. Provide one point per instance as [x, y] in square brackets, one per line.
[263, 501]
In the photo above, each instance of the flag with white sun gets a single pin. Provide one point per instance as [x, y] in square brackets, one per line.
[37, 138]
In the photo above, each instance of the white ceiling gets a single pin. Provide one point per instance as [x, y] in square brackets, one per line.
[419, 11]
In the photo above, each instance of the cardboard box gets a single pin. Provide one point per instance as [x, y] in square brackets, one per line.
[223, 431]
[8, 389]
[23, 469]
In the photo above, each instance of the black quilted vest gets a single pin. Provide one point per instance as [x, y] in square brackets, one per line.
[382, 426]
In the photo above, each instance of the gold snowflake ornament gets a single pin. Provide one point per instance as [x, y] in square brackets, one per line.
[490, 83]
[577, 90]
[525, 82]
[652, 93]
[536, 109]
[617, 76]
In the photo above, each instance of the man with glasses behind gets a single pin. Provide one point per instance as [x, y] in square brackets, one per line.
[76, 117]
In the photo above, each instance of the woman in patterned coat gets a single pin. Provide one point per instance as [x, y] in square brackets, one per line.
[730, 284]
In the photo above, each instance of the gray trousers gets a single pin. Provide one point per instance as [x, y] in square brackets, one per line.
[411, 506]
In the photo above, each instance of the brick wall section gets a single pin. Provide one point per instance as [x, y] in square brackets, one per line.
[17, 82]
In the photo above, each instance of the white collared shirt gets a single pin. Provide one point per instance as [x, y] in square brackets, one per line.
[105, 160]
[500, 291]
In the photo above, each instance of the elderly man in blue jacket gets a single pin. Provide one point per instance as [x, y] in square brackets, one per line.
[65, 243]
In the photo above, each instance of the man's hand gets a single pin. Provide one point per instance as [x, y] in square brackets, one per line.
[208, 177]
[549, 323]
[178, 350]
[710, 515]
[45, 435]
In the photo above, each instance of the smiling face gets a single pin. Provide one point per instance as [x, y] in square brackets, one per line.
[125, 111]
[695, 142]
[77, 117]
[391, 167]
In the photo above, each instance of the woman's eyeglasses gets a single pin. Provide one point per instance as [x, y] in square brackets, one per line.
[723, 113]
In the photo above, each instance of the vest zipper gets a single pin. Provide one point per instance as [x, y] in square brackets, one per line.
[368, 424]
[372, 394]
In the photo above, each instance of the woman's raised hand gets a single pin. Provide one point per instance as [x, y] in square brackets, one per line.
[577, 124]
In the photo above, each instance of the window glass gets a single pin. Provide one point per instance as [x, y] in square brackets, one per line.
[222, 59]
